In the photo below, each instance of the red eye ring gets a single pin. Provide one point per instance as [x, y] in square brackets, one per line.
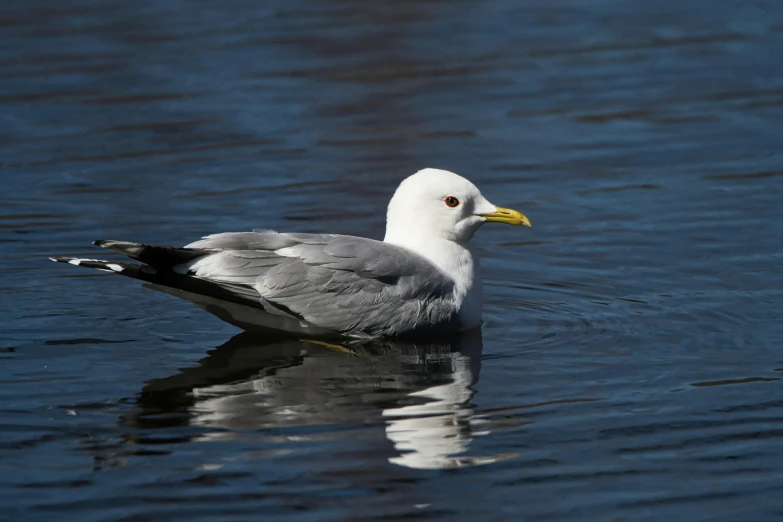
[451, 201]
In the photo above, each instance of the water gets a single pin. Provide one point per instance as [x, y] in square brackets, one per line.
[629, 366]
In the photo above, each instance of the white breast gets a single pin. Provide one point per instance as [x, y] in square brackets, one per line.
[461, 265]
[473, 299]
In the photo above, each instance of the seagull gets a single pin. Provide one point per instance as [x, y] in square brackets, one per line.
[423, 278]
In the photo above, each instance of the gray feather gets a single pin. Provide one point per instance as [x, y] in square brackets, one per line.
[347, 284]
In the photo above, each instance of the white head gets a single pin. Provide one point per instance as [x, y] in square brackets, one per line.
[439, 204]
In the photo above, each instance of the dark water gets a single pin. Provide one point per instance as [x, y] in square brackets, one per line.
[631, 359]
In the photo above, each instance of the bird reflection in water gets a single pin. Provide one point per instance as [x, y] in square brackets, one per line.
[419, 393]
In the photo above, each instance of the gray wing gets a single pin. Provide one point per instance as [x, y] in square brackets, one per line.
[346, 284]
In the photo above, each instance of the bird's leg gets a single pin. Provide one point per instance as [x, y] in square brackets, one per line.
[335, 347]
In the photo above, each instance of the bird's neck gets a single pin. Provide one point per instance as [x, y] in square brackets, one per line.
[457, 261]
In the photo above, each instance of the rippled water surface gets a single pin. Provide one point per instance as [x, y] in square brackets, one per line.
[630, 362]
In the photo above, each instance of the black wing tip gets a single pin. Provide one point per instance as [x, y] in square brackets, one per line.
[76, 260]
[106, 243]
[98, 264]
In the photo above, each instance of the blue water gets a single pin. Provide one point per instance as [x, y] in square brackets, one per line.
[629, 366]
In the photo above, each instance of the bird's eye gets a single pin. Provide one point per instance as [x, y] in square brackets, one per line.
[451, 201]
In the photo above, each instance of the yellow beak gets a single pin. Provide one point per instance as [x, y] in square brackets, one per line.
[507, 216]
